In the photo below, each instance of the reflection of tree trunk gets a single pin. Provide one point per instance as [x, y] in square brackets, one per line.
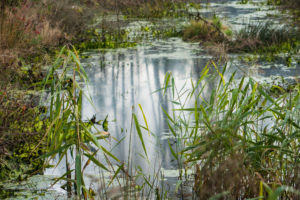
[197, 71]
[162, 119]
[138, 71]
[102, 60]
[165, 100]
[151, 96]
[99, 83]
[197, 67]
[114, 87]
[166, 155]
[132, 83]
[123, 96]
[122, 148]
[159, 93]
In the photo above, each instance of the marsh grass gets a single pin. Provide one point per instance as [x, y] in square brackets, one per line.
[264, 37]
[70, 139]
[67, 135]
[206, 31]
[237, 137]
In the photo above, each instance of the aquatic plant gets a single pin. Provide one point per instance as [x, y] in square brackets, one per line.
[237, 137]
[263, 37]
[111, 39]
[68, 136]
[71, 139]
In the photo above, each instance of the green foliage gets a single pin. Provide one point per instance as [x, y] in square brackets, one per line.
[228, 32]
[237, 136]
[276, 2]
[112, 40]
[67, 133]
[216, 22]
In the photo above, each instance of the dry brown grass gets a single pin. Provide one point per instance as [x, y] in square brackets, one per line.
[218, 50]
[50, 35]
[230, 175]
[246, 44]
[205, 31]
[32, 28]
[47, 23]
[24, 29]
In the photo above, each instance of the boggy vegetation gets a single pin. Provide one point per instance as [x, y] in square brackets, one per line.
[265, 37]
[206, 30]
[30, 34]
[70, 138]
[261, 38]
[241, 142]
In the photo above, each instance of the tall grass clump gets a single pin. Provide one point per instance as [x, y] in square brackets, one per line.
[70, 139]
[68, 136]
[264, 36]
[206, 31]
[241, 142]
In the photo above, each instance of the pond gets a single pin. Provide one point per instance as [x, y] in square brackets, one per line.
[122, 80]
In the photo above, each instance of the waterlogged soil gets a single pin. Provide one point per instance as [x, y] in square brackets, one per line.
[123, 80]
